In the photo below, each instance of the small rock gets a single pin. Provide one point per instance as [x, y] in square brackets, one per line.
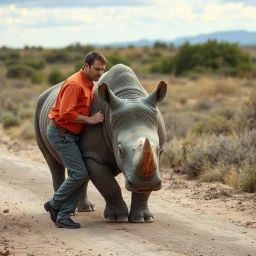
[6, 211]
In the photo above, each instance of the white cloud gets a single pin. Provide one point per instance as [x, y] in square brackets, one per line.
[111, 21]
[74, 3]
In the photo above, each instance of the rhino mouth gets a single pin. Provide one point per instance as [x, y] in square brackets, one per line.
[130, 187]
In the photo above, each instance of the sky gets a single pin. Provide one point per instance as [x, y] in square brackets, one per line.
[59, 23]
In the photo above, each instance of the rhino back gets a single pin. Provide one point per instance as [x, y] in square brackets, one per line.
[123, 82]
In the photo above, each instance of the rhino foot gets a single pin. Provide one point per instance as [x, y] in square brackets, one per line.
[116, 213]
[140, 216]
[85, 206]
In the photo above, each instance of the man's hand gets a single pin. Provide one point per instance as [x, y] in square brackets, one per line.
[96, 118]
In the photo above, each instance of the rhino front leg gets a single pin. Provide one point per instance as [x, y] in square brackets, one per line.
[102, 177]
[84, 205]
[139, 212]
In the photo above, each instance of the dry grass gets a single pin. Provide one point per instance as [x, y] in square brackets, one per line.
[232, 178]
[216, 86]
[25, 131]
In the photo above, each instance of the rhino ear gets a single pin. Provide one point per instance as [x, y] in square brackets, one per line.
[158, 94]
[108, 96]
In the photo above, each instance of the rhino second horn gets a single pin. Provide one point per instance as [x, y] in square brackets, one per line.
[146, 161]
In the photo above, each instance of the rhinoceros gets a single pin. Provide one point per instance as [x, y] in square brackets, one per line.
[131, 140]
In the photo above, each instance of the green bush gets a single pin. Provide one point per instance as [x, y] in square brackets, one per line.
[19, 71]
[9, 120]
[56, 77]
[160, 65]
[248, 178]
[3, 57]
[160, 45]
[211, 56]
[80, 48]
[10, 62]
[37, 77]
[26, 113]
[59, 56]
[14, 55]
[115, 59]
[38, 65]
[214, 125]
[78, 66]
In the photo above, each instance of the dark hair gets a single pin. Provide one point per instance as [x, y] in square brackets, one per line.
[92, 56]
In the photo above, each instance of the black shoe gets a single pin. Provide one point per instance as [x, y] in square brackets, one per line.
[53, 212]
[66, 223]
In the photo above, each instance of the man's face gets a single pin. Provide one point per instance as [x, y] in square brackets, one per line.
[95, 71]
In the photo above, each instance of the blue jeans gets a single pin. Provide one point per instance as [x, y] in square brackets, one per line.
[66, 197]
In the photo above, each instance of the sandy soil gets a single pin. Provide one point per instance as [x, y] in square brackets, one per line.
[190, 218]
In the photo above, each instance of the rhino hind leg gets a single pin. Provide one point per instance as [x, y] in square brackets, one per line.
[139, 212]
[57, 169]
[84, 205]
[102, 177]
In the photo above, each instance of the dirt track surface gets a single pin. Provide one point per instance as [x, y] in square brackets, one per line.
[189, 219]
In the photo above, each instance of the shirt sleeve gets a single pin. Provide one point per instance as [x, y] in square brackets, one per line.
[68, 103]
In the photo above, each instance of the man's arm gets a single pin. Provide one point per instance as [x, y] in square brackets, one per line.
[94, 119]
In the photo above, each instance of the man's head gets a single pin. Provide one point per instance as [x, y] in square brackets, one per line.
[94, 65]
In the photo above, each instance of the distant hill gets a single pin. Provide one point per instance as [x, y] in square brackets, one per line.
[243, 38]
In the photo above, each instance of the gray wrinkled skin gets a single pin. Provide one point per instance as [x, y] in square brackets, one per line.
[131, 140]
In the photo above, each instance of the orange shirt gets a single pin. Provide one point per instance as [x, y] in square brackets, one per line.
[75, 97]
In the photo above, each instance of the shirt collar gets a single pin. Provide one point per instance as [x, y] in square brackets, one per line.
[86, 81]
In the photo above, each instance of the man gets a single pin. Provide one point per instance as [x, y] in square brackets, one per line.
[68, 117]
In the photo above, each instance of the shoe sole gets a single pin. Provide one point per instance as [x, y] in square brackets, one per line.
[64, 226]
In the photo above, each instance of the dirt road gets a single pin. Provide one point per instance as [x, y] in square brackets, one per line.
[183, 225]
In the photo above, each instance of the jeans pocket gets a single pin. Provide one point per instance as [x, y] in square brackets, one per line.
[54, 137]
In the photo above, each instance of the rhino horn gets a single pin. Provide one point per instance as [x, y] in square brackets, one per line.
[108, 96]
[157, 95]
[146, 161]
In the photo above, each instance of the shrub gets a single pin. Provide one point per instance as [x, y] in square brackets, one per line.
[78, 66]
[9, 120]
[10, 105]
[223, 153]
[160, 45]
[59, 56]
[214, 125]
[27, 132]
[14, 55]
[37, 77]
[172, 156]
[10, 62]
[162, 65]
[177, 125]
[55, 77]
[38, 65]
[213, 173]
[80, 48]
[115, 59]
[247, 117]
[211, 56]
[248, 178]
[26, 113]
[19, 71]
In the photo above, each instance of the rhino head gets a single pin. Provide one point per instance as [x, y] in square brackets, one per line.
[135, 139]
